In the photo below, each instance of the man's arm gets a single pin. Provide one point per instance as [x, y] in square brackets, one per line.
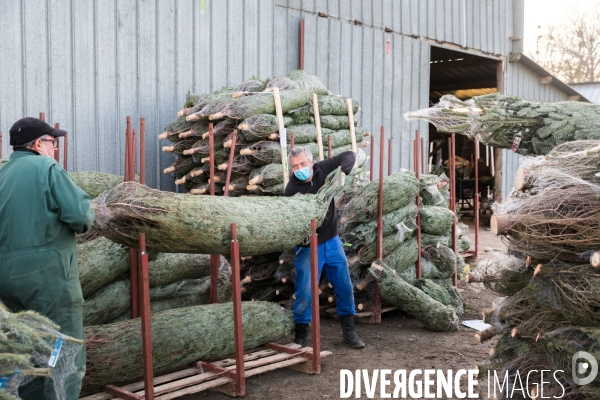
[73, 203]
[345, 160]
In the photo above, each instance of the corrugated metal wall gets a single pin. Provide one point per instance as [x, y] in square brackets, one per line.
[353, 60]
[88, 64]
[476, 24]
[520, 81]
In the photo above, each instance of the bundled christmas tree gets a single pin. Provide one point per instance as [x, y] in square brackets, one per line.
[508, 122]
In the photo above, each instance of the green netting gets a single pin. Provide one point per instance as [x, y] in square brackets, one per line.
[366, 233]
[342, 137]
[282, 83]
[260, 126]
[191, 224]
[251, 85]
[435, 240]
[503, 121]
[442, 257]
[463, 243]
[307, 81]
[205, 332]
[367, 254]
[358, 203]
[267, 175]
[94, 183]
[335, 122]
[434, 315]
[335, 105]
[436, 220]
[262, 103]
[403, 256]
[445, 294]
[100, 262]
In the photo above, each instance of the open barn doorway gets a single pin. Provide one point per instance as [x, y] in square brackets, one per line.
[463, 75]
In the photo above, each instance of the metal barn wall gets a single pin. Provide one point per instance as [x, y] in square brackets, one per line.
[483, 25]
[353, 61]
[88, 64]
[522, 82]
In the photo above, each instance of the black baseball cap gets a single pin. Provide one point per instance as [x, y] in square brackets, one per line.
[29, 128]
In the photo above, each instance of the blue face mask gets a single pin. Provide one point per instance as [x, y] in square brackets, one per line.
[303, 173]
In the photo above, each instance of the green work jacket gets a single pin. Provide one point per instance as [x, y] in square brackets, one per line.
[41, 209]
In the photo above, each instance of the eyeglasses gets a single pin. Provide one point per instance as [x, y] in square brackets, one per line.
[54, 142]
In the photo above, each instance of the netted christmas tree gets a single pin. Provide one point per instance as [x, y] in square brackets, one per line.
[549, 225]
[508, 122]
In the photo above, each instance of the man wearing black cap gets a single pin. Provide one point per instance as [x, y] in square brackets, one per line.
[41, 209]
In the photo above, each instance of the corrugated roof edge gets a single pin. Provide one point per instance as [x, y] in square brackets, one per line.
[539, 70]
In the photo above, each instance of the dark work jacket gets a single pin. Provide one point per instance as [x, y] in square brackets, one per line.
[346, 160]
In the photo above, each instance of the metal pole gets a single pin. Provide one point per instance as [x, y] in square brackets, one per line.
[371, 161]
[453, 205]
[230, 165]
[133, 254]
[314, 287]
[211, 156]
[143, 151]
[127, 149]
[379, 244]
[214, 258]
[65, 151]
[237, 313]
[56, 148]
[389, 156]
[146, 324]
[329, 149]
[476, 199]
[133, 154]
[422, 155]
[417, 153]
[301, 44]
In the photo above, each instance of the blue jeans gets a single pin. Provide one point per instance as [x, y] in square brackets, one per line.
[332, 257]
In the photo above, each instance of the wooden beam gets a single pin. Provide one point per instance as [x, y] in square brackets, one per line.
[442, 86]
[545, 80]
[444, 65]
[514, 57]
[574, 98]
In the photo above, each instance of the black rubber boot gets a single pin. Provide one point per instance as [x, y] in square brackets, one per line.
[301, 334]
[350, 336]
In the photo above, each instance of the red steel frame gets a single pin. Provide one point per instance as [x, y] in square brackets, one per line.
[417, 166]
[371, 160]
[314, 287]
[214, 258]
[389, 156]
[229, 167]
[476, 198]
[301, 44]
[453, 201]
[240, 375]
[143, 284]
[379, 242]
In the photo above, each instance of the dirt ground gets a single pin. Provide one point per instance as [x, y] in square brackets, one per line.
[399, 342]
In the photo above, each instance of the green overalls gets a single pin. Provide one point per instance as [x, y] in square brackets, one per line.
[41, 209]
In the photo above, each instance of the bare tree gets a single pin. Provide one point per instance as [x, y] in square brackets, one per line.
[571, 50]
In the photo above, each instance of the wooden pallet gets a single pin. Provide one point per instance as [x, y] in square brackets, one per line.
[364, 317]
[194, 379]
